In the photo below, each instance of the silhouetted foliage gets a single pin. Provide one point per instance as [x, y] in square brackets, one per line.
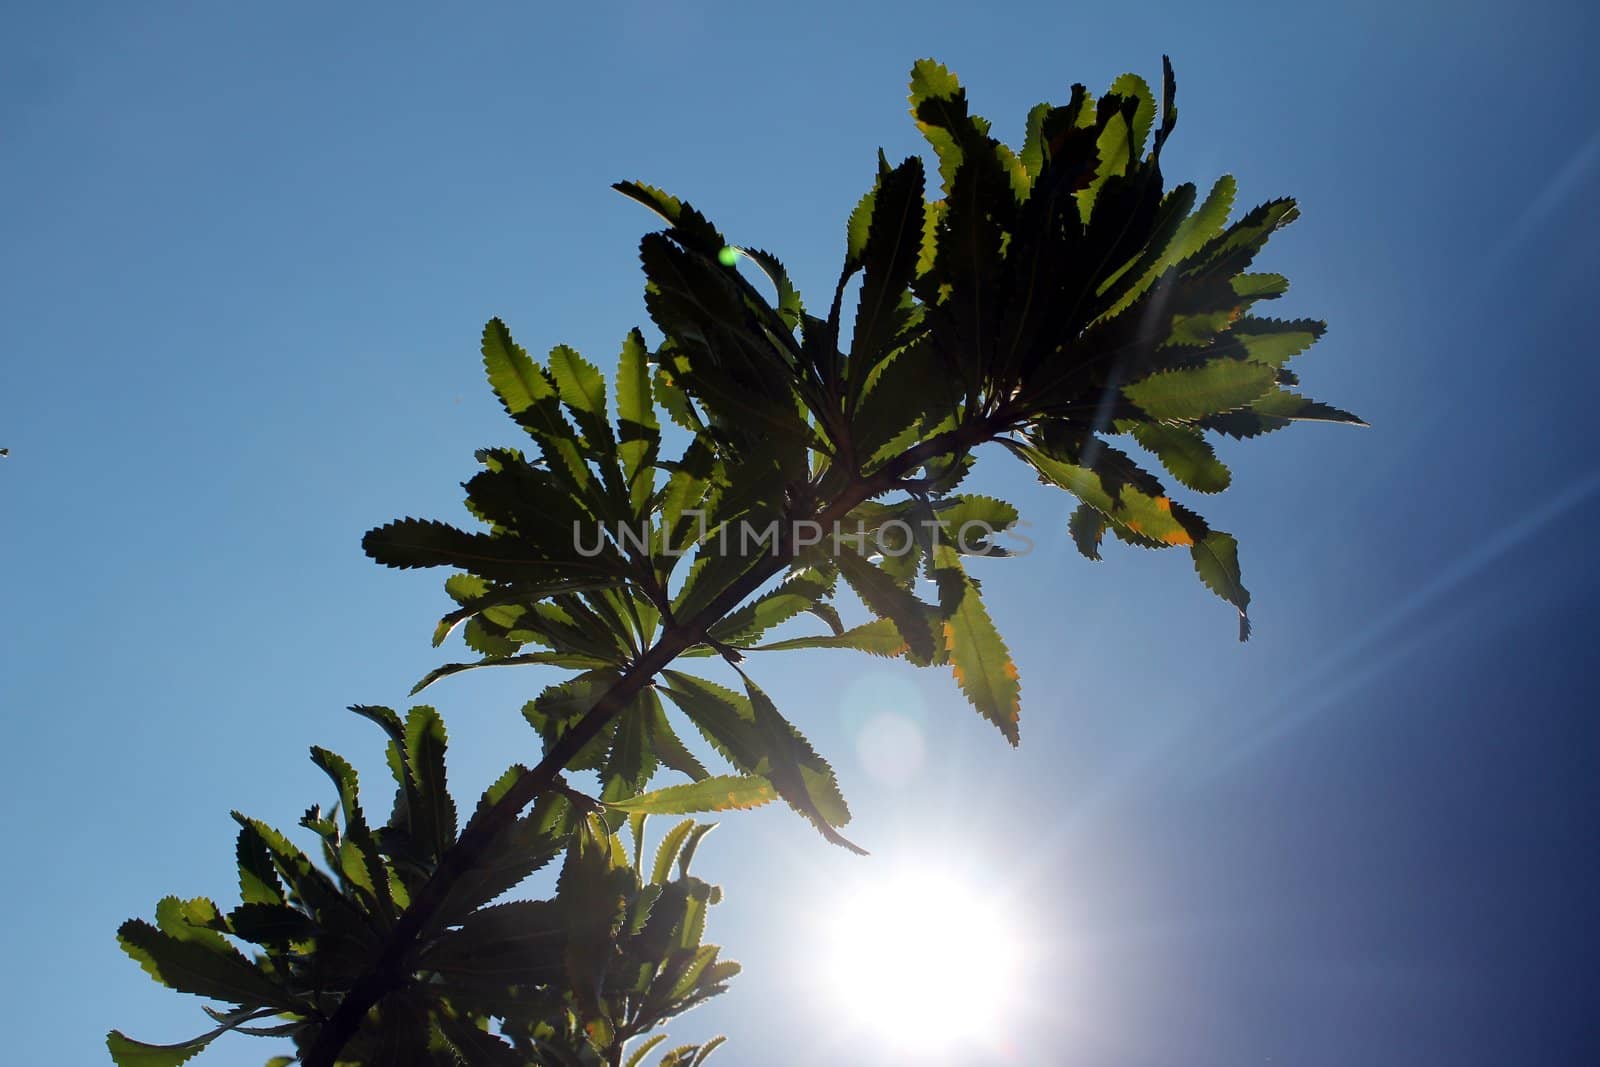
[720, 485]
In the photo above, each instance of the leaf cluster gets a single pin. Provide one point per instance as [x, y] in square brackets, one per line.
[559, 982]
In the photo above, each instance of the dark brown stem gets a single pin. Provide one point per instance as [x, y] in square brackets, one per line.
[393, 967]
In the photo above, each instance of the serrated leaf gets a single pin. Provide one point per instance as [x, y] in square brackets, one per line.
[1216, 560]
[126, 1052]
[583, 392]
[1087, 525]
[569, 660]
[889, 259]
[200, 968]
[1195, 392]
[884, 597]
[720, 793]
[1276, 341]
[434, 813]
[521, 942]
[1186, 454]
[979, 659]
[879, 638]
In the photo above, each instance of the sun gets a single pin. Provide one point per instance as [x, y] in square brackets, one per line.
[924, 961]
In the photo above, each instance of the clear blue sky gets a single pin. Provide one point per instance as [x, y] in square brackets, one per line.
[245, 253]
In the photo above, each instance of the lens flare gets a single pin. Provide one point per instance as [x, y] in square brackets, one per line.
[925, 963]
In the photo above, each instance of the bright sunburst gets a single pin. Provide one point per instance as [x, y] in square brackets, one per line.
[926, 962]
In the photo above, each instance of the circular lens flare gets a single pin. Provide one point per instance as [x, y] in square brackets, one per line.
[924, 962]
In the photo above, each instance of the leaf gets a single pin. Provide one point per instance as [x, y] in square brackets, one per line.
[271, 924]
[583, 392]
[798, 774]
[1195, 392]
[790, 308]
[1186, 454]
[1116, 487]
[126, 1052]
[720, 793]
[671, 842]
[1087, 526]
[516, 853]
[518, 943]
[410, 543]
[198, 967]
[434, 814]
[889, 259]
[1216, 560]
[556, 710]
[258, 880]
[932, 83]
[514, 377]
[569, 660]
[668, 747]
[1203, 225]
[1275, 341]
[879, 638]
[639, 431]
[969, 522]
[884, 597]
[747, 623]
[982, 665]
[707, 1049]
[1135, 87]
[636, 1057]
[529, 398]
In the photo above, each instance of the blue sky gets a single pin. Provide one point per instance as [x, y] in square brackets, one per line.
[247, 250]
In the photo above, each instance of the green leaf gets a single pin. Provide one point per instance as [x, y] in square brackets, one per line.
[969, 522]
[1116, 487]
[1203, 225]
[126, 1052]
[258, 880]
[721, 793]
[515, 378]
[798, 774]
[1195, 392]
[1275, 341]
[671, 842]
[410, 543]
[1135, 87]
[982, 665]
[199, 967]
[583, 391]
[530, 398]
[1087, 526]
[668, 747]
[884, 597]
[556, 710]
[889, 259]
[569, 660]
[271, 924]
[434, 814]
[881, 637]
[519, 943]
[639, 431]
[1186, 454]
[636, 1057]
[707, 1049]
[747, 623]
[932, 82]
[1216, 560]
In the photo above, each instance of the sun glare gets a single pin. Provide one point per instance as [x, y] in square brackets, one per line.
[924, 962]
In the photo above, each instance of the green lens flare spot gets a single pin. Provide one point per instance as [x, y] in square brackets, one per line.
[728, 256]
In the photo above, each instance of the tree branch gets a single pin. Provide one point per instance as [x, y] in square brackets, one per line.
[393, 967]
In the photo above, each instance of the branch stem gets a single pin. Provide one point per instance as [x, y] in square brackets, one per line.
[393, 967]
